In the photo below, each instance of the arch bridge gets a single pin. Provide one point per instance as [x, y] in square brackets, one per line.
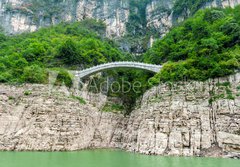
[124, 64]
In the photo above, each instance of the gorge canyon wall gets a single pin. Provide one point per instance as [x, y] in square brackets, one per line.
[17, 16]
[190, 119]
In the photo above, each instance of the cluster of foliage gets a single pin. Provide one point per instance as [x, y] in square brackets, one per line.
[138, 84]
[80, 99]
[26, 57]
[186, 6]
[138, 33]
[113, 108]
[204, 46]
[125, 84]
[44, 5]
[137, 19]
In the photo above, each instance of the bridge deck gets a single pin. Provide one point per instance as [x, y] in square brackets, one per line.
[124, 64]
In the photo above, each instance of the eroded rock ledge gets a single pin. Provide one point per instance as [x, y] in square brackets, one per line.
[200, 119]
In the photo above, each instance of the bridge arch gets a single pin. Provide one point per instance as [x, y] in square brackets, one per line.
[124, 64]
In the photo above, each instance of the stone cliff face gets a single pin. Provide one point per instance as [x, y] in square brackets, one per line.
[42, 122]
[189, 119]
[208, 4]
[195, 119]
[18, 16]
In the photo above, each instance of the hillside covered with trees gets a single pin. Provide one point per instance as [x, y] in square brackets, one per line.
[204, 46]
[26, 57]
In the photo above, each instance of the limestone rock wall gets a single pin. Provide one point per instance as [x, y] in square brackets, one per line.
[192, 118]
[159, 15]
[53, 122]
[17, 16]
[187, 119]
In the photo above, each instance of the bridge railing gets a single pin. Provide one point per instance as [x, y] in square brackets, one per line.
[124, 63]
[151, 67]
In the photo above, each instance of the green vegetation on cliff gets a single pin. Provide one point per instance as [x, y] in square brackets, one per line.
[188, 6]
[26, 57]
[204, 46]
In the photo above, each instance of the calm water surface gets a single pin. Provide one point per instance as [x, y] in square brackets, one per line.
[105, 158]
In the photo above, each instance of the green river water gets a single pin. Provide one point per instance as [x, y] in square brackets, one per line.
[105, 158]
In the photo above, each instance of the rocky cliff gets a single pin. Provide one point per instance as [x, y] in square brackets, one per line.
[121, 16]
[187, 119]
[192, 118]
